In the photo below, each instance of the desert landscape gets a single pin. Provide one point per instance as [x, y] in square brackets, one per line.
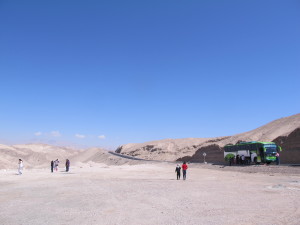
[284, 132]
[104, 187]
[103, 103]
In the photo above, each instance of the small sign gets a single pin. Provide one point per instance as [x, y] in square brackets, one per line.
[204, 154]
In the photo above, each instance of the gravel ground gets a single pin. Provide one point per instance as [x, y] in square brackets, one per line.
[265, 169]
[150, 194]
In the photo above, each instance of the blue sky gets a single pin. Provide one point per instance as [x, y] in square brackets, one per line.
[106, 73]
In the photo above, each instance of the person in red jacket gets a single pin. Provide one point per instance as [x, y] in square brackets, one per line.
[184, 168]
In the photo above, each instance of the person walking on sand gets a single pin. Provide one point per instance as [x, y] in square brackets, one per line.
[20, 167]
[177, 170]
[67, 165]
[184, 168]
[52, 166]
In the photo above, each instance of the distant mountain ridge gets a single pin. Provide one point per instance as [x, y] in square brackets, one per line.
[284, 131]
[192, 148]
[40, 156]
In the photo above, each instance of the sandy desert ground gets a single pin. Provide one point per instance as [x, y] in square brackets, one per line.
[94, 193]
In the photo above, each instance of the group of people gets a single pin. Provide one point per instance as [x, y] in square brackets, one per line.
[54, 165]
[184, 168]
[242, 160]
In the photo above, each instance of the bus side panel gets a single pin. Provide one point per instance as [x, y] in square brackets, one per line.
[246, 153]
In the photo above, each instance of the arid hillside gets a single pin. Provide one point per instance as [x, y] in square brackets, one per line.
[33, 155]
[192, 149]
[40, 155]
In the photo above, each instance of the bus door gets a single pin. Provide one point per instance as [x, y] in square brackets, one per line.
[261, 154]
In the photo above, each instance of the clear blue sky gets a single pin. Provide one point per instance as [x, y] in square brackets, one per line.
[106, 73]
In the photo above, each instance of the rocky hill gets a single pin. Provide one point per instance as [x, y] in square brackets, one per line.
[192, 149]
[291, 146]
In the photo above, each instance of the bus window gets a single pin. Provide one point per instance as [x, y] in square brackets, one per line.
[258, 146]
[228, 148]
[242, 147]
[255, 147]
[271, 149]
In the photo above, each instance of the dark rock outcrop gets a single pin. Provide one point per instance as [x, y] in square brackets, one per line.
[214, 154]
[290, 147]
[119, 149]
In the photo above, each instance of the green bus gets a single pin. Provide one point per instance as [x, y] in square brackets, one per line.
[255, 151]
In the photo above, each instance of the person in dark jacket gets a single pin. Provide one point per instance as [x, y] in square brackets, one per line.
[177, 170]
[231, 159]
[52, 166]
[67, 165]
[237, 159]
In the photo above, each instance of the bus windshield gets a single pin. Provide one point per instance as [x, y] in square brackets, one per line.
[270, 149]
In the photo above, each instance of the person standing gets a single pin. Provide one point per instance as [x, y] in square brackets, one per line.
[277, 158]
[56, 162]
[52, 166]
[177, 170]
[231, 159]
[20, 167]
[184, 168]
[67, 165]
[243, 160]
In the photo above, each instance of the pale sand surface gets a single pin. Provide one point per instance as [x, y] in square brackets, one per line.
[148, 194]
